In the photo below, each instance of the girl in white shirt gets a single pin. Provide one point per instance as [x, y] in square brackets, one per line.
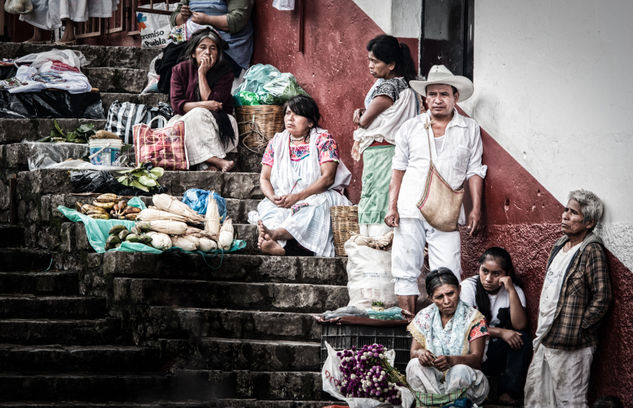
[496, 293]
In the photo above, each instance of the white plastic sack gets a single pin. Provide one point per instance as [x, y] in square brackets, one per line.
[368, 276]
[18, 6]
[331, 378]
[155, 28]
[284, 5]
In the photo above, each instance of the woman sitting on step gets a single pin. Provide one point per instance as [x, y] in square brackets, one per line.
[449, 338]
[201, 91]
[302, 177]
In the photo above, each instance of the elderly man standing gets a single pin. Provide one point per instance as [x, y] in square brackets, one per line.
[456, 150]
[574, 299]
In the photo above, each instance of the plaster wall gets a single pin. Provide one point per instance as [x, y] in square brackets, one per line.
[551, 88]
[400, 18]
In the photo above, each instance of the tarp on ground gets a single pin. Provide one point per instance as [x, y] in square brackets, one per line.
[51, 104]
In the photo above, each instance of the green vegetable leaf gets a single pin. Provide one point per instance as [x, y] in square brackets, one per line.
[135, 183]
[147, 181]
[157, 172]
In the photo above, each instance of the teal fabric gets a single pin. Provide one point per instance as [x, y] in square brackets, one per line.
[97, 232]
[374, 199]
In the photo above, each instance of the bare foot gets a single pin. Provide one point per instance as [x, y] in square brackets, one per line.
[506, 399]
[271, 247]
[221, 164]
[263, 232]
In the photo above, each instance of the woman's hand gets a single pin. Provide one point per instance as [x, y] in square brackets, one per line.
[425, 357]
[443, 363]
[357, 114]
[506, 281]
[206, 63]
[213, 105]
[185, 13]
[288, 200]
[513, 338]
[199, 17]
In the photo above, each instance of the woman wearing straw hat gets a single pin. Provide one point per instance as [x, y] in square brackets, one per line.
[454, 144]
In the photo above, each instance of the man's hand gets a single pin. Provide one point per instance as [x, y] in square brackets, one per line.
[442, 363]
[513, 338]
[474, 221]
[199, 17]
[392, 218]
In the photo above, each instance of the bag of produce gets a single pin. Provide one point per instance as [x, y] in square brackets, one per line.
[283, 88]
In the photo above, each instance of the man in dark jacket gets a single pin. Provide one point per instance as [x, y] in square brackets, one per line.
[574, 299]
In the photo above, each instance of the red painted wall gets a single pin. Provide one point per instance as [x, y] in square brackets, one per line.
[521, 215]
[333, 67]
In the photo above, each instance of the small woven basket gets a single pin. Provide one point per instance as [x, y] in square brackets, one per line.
[258, 124]
[344, 224]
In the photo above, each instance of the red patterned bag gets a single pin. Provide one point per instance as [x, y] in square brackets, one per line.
[164, 147]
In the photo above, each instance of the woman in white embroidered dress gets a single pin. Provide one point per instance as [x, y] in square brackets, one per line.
[449, 338]
[302, 177]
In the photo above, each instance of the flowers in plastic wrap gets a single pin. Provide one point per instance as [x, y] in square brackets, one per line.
[365, 377]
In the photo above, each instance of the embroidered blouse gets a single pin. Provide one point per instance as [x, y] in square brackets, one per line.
[326, 146]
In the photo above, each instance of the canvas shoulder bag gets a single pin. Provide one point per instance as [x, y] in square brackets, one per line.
[440, 204]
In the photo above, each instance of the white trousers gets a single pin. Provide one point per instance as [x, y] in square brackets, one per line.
[558, 378]
[432, 381]
[407, 253]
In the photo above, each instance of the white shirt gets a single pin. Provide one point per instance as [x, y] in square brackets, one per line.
[459, 160]
[551, 290]
[499, 300]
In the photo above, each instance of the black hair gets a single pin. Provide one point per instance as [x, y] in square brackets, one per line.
[608, 401]
[387, 49]
[305, 106]
[200, 35]
[502, 257]
[438, 277]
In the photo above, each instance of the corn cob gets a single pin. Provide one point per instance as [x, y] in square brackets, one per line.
[170, 204]
[165, 226]
[149, 214]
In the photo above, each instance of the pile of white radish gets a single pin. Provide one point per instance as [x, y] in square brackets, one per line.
[171, 222]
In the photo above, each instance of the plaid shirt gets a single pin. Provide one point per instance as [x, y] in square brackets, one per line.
[584, 297]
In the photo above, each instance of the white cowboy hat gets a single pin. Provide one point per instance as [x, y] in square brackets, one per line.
[440, 75]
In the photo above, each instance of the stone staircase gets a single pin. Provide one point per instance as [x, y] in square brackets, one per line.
[132, 329]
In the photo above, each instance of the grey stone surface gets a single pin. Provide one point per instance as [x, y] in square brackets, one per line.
[49, 331]
[17, 130]
[117, 79]
[75, 307]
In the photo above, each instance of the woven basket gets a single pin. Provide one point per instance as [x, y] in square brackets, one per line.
[344, 223]
[258, 124]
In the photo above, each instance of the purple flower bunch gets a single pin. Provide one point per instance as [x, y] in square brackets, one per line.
[368, 374]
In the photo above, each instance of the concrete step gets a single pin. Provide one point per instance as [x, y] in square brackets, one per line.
[33, 184]
[214, 353]
[67, 359]
[170, 322]
[293, 297]
[231, 267]
[117, 79]
[11, 235]
[185, 403]
[39, 283]
[62, 331]
[17, 155]
[22, 259]
[151, 99]
[96, 56]
[17, 130]
[260, 385]
[53, 307]
[83, 387]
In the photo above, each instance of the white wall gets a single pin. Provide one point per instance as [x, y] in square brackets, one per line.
[554, 86]
[400, 18]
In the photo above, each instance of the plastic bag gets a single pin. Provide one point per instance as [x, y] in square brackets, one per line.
[122, 116]
[18, 6]
[105, 182]
[155, 28]
[51, 104]
[284, 5]
[392, 313]
[368, 276]
[283, 88]
[331, 377]
[197, 199]
[152, 77]
[246, 98]
[256, 77]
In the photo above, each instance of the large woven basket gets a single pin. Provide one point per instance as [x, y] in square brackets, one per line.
[344, 224]
[258, 124]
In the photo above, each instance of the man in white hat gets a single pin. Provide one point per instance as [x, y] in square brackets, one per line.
[454, 143]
